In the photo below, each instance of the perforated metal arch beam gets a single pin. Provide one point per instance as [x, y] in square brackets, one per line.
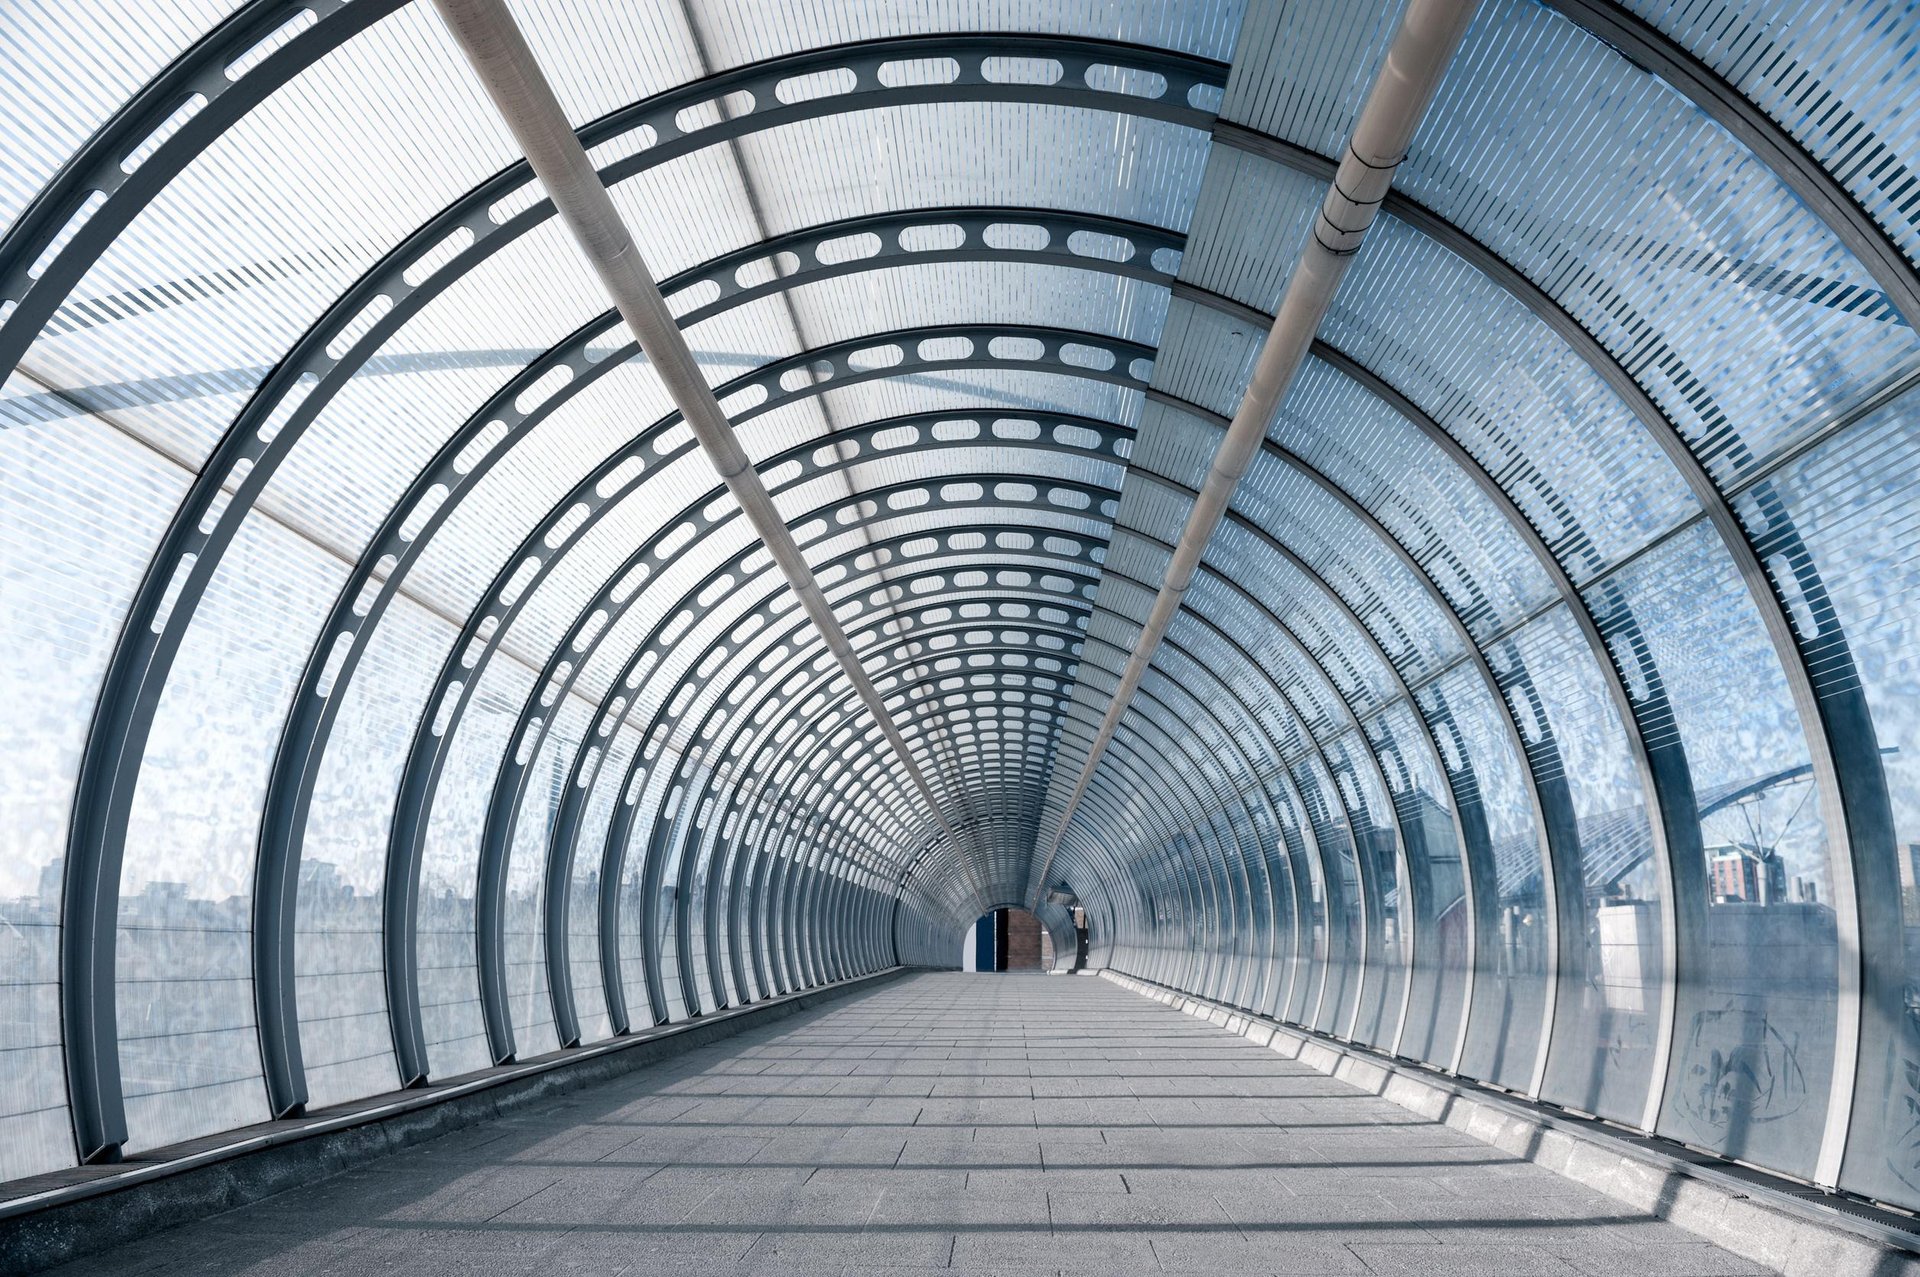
[566, 826]
[778, 751]
[379, 575]
[756, 772]
[577, 649]
[1258, 671]
[922, 350]
[666, 723]
[40, 266]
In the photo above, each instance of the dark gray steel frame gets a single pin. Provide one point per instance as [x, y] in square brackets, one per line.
[1843, 715]
[718, 857]
[454, 473]
[663, 726]
[263, 433]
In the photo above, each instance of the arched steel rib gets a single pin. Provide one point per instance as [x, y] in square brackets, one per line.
[741, 724]
[731, 838]
[608, 721]
[622, 828]
[762, 768]
[292, 396]
[851, 447]
[833, 367]
[454, 472]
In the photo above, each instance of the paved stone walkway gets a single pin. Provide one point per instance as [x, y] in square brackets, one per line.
[951, 1123]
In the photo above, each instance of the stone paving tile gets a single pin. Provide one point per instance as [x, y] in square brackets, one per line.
[1473, 1259]
[1697, 1260]
[946, 1124]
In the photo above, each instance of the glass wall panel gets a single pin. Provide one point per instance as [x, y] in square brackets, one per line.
[1431, 505]
[1228, 926]
[1834, 73]
[1337, 996]
[741, 31]
[1377, 845]
[1520, 400]
[1437, 883]
[1302, 74]
[1610, 981]
[634, 946]
[929, 155]
[732, 959]
[345, 1037]
[1852, 584]
[51, 55]
[529, 1002]
[694, 911]
[583, 909]
[494, 515]
[1505, 859]
[448, 971]
[1405, 618]
[235, 257]
[80, 507]
[755, 944]
[1305, 953]
[1733, 304]
[189, 1054]
[1753, 1039]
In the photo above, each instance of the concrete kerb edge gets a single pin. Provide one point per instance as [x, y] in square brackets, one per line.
[1764, 1226]
[94, 1214]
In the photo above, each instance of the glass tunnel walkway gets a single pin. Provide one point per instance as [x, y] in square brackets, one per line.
[953, 1124]
[537, 535]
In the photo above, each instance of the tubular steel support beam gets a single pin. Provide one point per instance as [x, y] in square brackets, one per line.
[1429, 34]
[506, 66]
